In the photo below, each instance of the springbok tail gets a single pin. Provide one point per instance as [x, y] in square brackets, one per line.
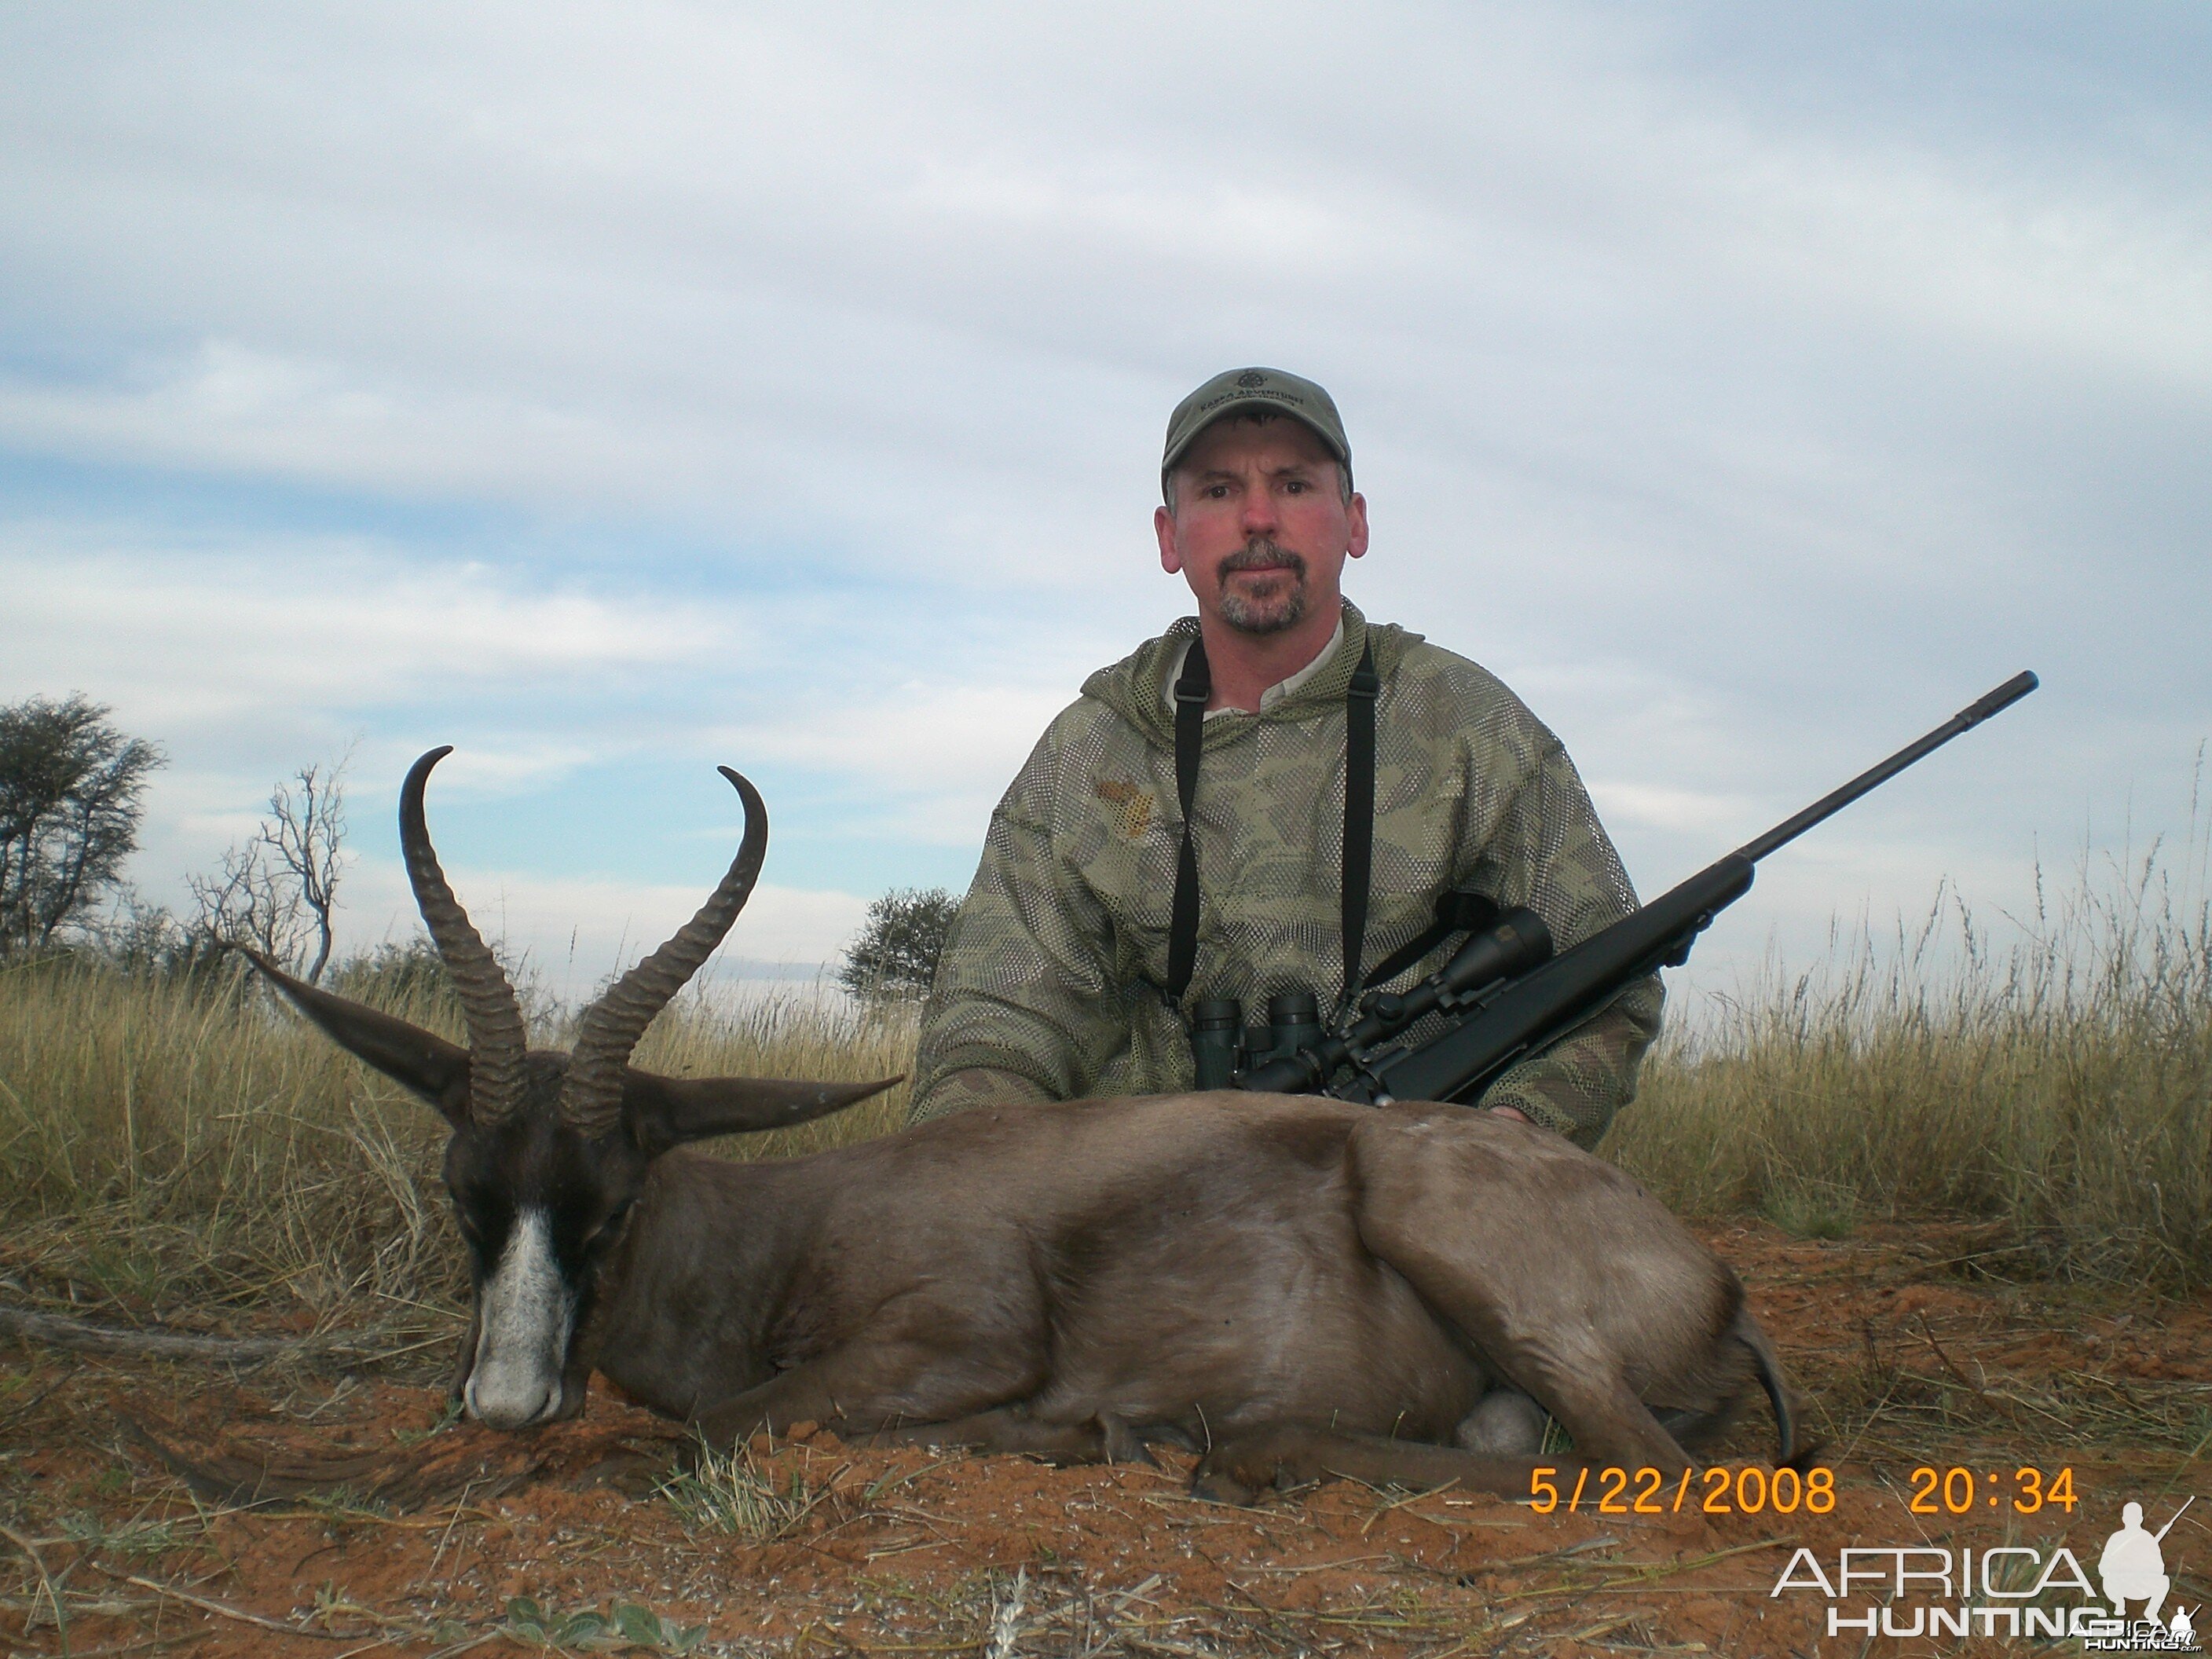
[1789, 1454]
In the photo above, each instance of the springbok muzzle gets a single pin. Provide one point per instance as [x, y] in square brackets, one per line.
[526, 1313]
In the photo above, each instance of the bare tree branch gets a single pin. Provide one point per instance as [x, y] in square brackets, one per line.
[304, 832]
[245, 903]
[279, 891]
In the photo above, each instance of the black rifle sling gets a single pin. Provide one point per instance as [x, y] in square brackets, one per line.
[1358, 818]
[1194, 690]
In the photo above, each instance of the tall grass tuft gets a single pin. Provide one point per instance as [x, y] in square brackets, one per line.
[809, 1032]
[2060, 1085]
[172, 1141]
[733, 1492]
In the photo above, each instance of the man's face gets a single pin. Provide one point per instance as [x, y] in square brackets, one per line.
[1260, 528]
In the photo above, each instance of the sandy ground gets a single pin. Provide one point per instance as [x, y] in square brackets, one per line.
[386, 1528]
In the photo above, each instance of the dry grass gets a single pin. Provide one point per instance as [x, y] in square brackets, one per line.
[2061, 1085]
[169, 1143]
[809, 1032]
[735, 1493]
[166, 1140]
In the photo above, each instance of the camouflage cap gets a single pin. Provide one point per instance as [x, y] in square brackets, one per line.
[1250, 391]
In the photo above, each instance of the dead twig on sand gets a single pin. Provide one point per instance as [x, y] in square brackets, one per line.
[53, 1591]
[224, 1610]
[152, 1645]
[337, 1348]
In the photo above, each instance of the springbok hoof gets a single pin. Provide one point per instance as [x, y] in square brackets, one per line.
[1237, 1471]
[1219, 1487]
[1120, 1443]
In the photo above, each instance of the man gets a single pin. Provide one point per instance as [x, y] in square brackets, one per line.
[1058, 976]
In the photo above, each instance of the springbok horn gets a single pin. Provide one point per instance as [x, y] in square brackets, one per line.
[497, 1041]
[592, 1098]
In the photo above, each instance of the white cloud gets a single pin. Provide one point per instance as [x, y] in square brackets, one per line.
[946, 752]
[1657, 807]
[191, 634]
[676, 256]
[234, 408]
[2126, 285]
[575, 933]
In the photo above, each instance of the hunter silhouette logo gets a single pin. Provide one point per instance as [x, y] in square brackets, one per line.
[2133, 1569]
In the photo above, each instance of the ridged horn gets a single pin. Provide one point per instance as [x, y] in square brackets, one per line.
[497, 1041]
[591, 1099]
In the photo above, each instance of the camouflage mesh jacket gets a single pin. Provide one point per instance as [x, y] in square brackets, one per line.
[1047, 976]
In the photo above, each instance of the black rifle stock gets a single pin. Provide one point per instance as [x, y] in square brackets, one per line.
[1501, 1019]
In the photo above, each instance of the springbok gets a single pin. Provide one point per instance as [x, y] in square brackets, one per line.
[1295, 1286]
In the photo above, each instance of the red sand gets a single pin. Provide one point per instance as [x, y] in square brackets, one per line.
[911, 1552]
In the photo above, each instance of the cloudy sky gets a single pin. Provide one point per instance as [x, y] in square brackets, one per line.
[614, 391]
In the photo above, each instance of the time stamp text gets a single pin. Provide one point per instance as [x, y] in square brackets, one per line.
[1753, 1489]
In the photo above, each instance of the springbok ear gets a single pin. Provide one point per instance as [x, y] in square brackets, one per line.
[433, 1068]
[662, 1112]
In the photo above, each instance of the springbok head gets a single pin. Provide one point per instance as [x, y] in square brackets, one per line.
[550, 1150]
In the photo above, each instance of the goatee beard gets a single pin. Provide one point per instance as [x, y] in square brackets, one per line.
[1278, 606]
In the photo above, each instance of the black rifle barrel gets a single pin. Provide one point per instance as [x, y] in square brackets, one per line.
[1829, 804]
[1544, 1003]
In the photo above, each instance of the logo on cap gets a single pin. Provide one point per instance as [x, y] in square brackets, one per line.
[1251, 378]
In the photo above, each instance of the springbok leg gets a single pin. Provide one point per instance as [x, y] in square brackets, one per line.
[1010, 1430]
[1602, 1274]
[1290, 1455]
[862, 1388]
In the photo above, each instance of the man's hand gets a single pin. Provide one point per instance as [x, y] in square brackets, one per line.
[1513, 1112]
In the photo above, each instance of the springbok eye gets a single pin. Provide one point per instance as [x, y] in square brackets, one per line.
[607, 1228]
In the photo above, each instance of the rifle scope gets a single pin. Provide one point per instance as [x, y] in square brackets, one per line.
[1512, 945]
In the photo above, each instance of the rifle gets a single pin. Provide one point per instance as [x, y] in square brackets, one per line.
[1508, 997]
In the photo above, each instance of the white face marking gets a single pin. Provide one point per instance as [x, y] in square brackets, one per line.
[525, 1311]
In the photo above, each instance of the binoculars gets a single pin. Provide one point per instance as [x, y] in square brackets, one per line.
[1292, 1054]
[1221, 1044]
